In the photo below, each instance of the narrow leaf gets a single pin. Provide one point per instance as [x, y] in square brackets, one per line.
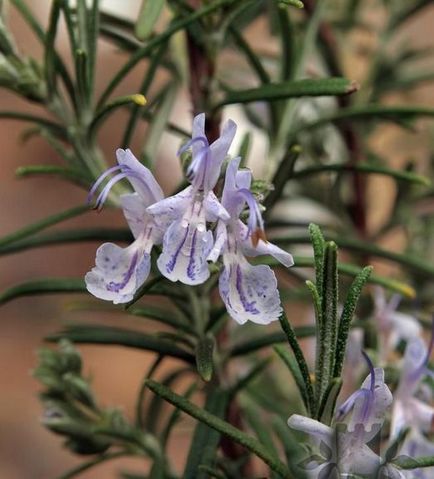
[291, 89]
[347, 316]
[268, 339]
[221, 426]
[43, 286]
[299, 357]
[318, 244]
[41, 224]
[364, 168]
[94, 334]
[149, 13]
[295, 372]
[329, 321]
[203, 447]
[204, 357]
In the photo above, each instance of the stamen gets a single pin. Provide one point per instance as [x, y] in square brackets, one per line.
[197, 139]
[255, 222]
[106, 190]
[99, 180]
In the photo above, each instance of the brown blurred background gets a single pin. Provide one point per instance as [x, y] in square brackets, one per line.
[27, 450]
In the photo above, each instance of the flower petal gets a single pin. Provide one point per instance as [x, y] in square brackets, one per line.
[135, 212]
[214, 209]
[170, 209]
[378, 405]
[143, 182]
[118, 273]
[198, 130]
[262, 248]
[317, 431]
[413, 368]
[218, 151]
[249, 292]
[219, 243]
[185, 250]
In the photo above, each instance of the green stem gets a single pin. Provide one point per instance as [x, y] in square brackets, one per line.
[221, 426]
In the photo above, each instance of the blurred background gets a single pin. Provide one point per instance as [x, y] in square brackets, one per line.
[27, 450]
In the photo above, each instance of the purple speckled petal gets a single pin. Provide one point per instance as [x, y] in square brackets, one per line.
[262, 248]
[143, 181]
[135, 212]
[218, 151]
[214, 209]
[172, 208]
[249, 292]
[185, 251]
[119, 272]
[220, 242]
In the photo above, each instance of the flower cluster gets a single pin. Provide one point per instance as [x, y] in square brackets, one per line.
[194, 227]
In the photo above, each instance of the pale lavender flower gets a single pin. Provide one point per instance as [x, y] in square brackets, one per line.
[393, 326]
[417, 445]
[408, 410]
[119, 272]
[364, 413]
[249, 292]
[187, 241]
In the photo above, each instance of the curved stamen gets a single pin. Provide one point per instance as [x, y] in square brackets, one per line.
[190, 143]
[99, 180]
[255, 221]
[196, 164]
[369, 393]
[106, 190]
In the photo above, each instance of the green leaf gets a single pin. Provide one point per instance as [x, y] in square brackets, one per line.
[94, 334]
[55, 128]
[260, 427]
[369, 112]
[318, 245]
[140, 420]
[49, 54]
[42, 224]
[364, 168]
[43, 286]
[135, 99]
[204, 357]
[170, 318]
[405, 462]
[299, 357]
[283, 174]
[253, 344]
[295, 372]
[69, 174]
[326, 409]
[144, 88]
[66, 236]
[159, 123]
[203, 448]
[347, 316]
[174, 27]
[94, 462]
[291, 89]
[149, 13]
[221, 426]
[293, 3]
[154, 411]
[413, 263]
[329, 322]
